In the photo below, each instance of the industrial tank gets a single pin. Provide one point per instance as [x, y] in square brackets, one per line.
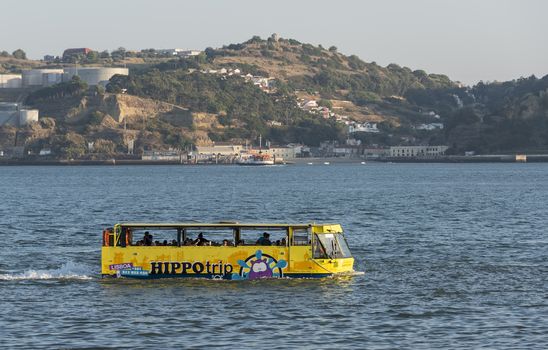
[49, 79]
[93, 75]
[8, 113]
[27, 116]
[34, 77]
[10, 81]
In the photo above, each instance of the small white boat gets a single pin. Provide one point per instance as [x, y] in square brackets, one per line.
[257, 159]
[326, 163]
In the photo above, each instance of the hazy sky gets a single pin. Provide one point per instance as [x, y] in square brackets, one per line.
[469, 40]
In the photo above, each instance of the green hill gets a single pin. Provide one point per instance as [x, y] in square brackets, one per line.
[239, 91]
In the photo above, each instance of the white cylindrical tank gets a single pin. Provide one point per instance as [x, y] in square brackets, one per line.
[49, 79]
[10, 81]
[34, 77]
[27, 116]
[93, 75]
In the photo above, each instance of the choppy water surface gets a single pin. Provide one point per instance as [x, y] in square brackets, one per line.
[455, 256]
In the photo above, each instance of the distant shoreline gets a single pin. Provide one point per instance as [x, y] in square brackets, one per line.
[308, 161]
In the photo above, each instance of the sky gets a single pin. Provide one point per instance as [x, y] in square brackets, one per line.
[468, 40]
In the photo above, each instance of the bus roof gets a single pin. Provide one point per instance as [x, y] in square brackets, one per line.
[327, 228]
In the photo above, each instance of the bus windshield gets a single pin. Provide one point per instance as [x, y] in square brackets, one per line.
[331, 246]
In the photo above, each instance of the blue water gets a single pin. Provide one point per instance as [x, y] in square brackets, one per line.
[455, 256]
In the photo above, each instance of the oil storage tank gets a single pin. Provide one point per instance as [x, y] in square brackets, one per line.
[8, 113]
[10, 81]
[27, 116]
[49, 79]
[93, 75]
[35, 77]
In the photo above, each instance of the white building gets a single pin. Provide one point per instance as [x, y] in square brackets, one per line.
[274, 123]
[221, 149]
[261, 82]
[179, 52]
[189, 53]
[417, 151]
[309, 104]
[353, 142]
[430, 126]
[281, 152]
[346, 151]
[161, 156]
[172, 52]
[366, 127]
[374, 153]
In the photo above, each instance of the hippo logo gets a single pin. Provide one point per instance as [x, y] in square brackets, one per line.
[260, 266]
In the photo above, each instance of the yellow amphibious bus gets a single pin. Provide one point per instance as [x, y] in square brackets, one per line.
[225, 250]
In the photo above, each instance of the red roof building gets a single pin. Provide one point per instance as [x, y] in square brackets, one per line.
[77, 51]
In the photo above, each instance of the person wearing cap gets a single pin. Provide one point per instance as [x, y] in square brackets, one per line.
[200, 240]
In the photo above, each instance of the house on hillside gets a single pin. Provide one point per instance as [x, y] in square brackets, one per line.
[178, 52]
[365, 127]
[430, 126]
[309, 104]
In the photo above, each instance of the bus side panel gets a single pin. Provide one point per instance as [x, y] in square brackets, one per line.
[300, 261]
[193, 260]
[336, 265]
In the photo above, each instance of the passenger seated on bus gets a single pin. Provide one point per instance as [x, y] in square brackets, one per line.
[147, 239]
[277, 242]
[241, 242]
[225, 243]
[283, 243]
[174, 243]
[201, 240]
[264, 240]
[188, 241]
[165, 242]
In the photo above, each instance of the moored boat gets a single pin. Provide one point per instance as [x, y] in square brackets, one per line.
[224, 250]
[257, 159]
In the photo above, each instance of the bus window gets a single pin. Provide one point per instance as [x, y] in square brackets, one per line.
[334, 246]
[343, 245]
[319, 250]
[301, 237]
[108, 237]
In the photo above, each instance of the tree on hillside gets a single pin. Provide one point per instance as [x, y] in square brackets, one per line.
[210, 53]
[4, 54]
[92, 57]
[333, 48]
[74, 87]
[19, 54]
[325, 103]
[118, 54]
[254, 40]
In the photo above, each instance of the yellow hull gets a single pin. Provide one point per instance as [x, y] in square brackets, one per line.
[218, 262]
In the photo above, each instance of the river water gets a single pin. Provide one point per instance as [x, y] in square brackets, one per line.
[455, 256]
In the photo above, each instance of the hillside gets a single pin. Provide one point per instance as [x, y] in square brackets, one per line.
[285, 91]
